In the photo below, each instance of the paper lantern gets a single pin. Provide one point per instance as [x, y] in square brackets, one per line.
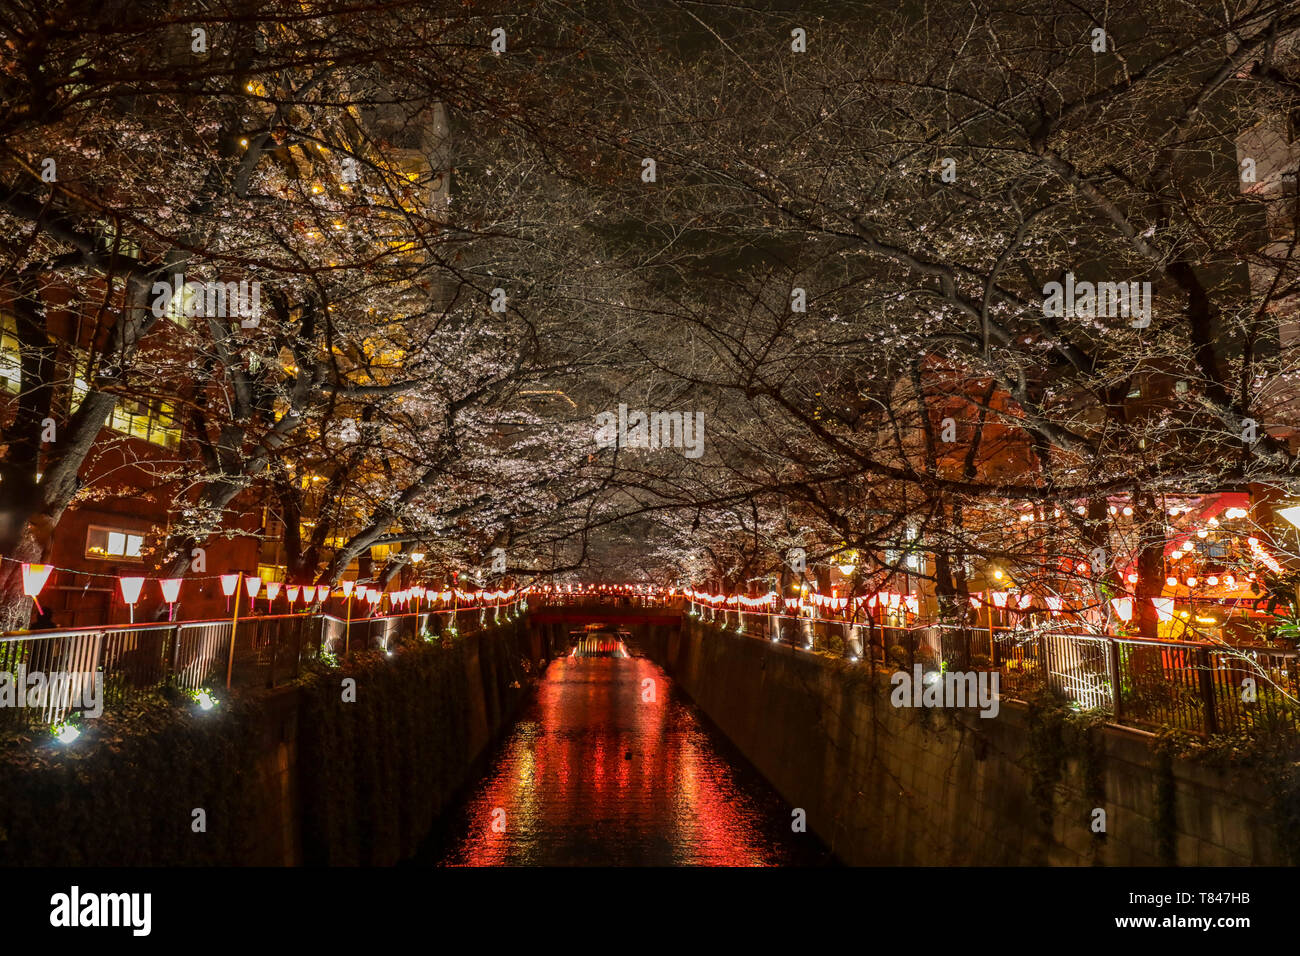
[34, 578]
[131, 589]
[228, 584]
[1164, 608]
[1024, 601]
[171, 589]
[1123, 607]
[309, 593]
[291, 592]
[272, 590]
[131, 592]
[347, 587]
[1262, 556]
[252, 585]
[999, 598]
[1054, 603]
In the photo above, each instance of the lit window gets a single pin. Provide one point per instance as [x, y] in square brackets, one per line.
[11, 360]
[110, 236]
[151, 420]
[184, 306]
[109, 543]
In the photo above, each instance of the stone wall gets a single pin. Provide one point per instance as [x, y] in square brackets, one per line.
[292, 776]
[884, 785]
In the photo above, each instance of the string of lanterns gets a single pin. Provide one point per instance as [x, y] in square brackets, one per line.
[131, 587]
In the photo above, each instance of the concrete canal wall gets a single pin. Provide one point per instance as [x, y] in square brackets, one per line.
[289, 777]
[885, 785]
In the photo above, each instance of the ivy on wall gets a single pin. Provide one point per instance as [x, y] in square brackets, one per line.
[1272, 757]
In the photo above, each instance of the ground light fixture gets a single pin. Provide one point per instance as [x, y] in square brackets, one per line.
[65, 733]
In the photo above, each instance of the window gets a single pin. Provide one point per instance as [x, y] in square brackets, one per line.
[185, 306]
[105, 544]
[11, 360]
[110, 235]
[151, 419]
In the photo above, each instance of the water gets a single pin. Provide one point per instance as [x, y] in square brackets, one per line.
[595, 773]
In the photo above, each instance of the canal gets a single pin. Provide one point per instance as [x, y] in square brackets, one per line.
[609, 764]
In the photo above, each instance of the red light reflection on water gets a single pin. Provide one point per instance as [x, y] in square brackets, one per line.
[599, 770]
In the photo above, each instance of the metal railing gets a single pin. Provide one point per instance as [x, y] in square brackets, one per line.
[56, 671]
[1199, 687]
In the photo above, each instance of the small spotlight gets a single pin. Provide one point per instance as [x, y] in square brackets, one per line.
[66, 733]
[205, 700]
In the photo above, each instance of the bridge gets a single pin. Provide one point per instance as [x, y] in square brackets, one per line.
[614, 610]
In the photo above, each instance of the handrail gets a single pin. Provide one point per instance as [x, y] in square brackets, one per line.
[194, 656]
[1141, 682]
